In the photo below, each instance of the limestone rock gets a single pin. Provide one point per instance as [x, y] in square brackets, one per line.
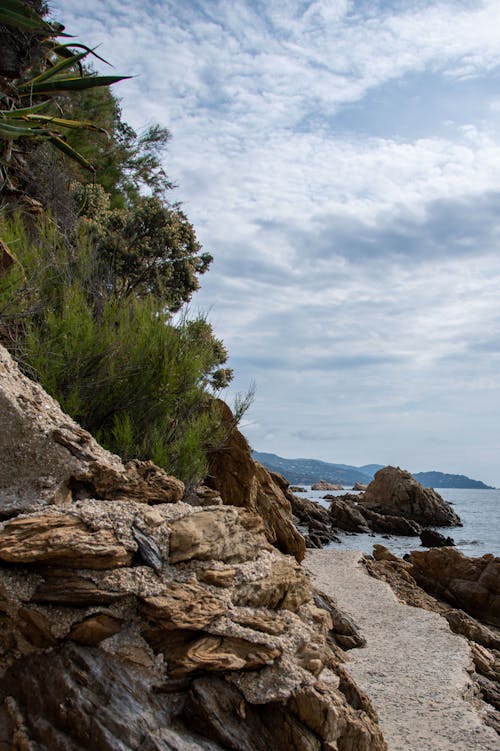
[241, 481]
[216, 533]
[359, 486]
[186, 605]
[463, 624]
[345, 515]
[314, 517]
[381, 553]
[202, 495]
[95, 628]
[391, 524]
[344, 631]
[282, 585]
[394, 491]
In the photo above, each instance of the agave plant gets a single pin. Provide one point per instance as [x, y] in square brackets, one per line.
[26, 96]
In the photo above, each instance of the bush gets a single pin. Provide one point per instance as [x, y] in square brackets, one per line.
[139, 381]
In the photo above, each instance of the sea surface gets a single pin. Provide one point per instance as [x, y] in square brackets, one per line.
[479, 511]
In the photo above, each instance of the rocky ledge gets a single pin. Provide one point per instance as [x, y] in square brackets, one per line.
[131, 619]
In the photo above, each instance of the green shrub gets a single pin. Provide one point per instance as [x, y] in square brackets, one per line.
[139, 381]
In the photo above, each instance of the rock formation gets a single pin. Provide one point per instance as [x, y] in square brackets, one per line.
[395, 492]
[472, 584]
[406, 580]
[243, 482]
[133, 620]
[432, 539]
[324, 485]
[312, 519]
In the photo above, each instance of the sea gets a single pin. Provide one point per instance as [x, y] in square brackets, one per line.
[479, 511]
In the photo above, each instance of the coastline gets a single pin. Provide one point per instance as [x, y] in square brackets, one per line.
[413, 668]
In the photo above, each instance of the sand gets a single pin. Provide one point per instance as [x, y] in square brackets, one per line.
[414, 669]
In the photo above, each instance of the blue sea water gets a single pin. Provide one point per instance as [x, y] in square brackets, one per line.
[479, 511]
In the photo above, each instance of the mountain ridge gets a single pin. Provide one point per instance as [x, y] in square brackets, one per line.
[307, 471]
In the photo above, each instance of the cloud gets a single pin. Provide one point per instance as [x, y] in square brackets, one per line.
[341, 160]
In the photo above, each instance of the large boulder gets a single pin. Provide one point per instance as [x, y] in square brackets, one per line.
[394, 491]
[472, 584]
[48, 459]
[126, 625]
[241, 481]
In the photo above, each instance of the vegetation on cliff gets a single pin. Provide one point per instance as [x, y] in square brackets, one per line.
[100, 260]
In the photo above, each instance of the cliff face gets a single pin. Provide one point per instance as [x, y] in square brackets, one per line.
[241, 481]
[133, 620]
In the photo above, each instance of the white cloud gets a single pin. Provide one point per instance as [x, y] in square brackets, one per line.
[356, 272]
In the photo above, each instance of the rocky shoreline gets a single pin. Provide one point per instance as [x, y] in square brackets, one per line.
[140, 614]
[394, 504]
[418, 673]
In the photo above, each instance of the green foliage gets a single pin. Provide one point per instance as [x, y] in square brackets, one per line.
[149, 248]
[140, 382]
[57, 69]
[87, 308]
[124, 162]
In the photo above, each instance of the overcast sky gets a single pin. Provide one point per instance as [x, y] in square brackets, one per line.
[341, 161]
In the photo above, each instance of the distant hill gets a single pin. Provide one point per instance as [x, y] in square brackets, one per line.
[442, 480]
[307, 471]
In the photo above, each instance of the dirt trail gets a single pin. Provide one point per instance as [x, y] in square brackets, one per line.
[413, 667]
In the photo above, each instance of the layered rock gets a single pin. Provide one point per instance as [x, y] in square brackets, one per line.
[162, 627]
[241, 481]
[395, 492]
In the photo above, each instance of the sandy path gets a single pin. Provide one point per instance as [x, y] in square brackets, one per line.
[413, 667]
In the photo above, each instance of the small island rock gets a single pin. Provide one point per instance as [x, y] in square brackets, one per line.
[324, 485]
[394, 491]
[432, 539]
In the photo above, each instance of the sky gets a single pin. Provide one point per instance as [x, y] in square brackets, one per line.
[341, 162]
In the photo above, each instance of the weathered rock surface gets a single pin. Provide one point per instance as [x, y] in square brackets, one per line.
[310, 515]
[172, 627]
[241, 481]
[395, 492]
[359, 486]
[48, 459]
[347, 514]
[472, 584]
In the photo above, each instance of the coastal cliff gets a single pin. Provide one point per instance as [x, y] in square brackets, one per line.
[134, 620]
